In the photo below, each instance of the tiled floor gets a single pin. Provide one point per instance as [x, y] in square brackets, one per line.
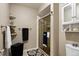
[25, 53]
[33, 52]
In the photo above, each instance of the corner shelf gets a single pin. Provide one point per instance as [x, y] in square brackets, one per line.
[14, 34]
[71, 23]
[12, 17]
[12, 26]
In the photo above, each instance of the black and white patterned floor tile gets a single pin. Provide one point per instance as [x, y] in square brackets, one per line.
[34, 52]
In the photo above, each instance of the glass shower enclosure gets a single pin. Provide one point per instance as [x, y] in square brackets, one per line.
[44, 34]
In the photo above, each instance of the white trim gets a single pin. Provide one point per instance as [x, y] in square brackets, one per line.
[45, 15]
[51, 36]
[37, 30]
[75, 12]
[75, 22]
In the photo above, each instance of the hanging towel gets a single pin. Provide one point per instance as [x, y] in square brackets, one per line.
[8, 42]
[25, 34]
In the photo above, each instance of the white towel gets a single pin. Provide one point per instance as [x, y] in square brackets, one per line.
[8, 41]
[48, 34]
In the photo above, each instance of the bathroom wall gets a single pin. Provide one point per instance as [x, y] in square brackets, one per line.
[62, 38]
[25, 17]
[55, 29]
[4, 17]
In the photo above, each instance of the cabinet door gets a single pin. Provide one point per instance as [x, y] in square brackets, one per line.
[67, 13]
[77, 11]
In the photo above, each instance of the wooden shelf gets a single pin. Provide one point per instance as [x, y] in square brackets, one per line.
[72, 31]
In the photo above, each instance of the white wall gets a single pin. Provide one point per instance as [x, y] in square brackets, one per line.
[4, 17]
[25, 17]
[55, 29]
[43, 7]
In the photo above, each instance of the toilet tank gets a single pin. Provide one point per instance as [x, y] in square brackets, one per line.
[72, 50]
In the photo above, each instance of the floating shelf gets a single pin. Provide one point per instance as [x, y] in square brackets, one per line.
[71, 23]
[12, 26]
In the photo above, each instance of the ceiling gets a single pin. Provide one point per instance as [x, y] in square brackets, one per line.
[32, 5]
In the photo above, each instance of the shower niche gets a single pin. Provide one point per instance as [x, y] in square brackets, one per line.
[44, 30]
